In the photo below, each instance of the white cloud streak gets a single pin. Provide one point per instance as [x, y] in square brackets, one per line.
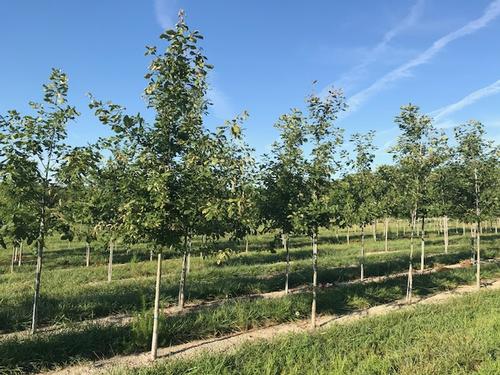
[359, 70]
[165, 12]
[473, 97]
[491, 12]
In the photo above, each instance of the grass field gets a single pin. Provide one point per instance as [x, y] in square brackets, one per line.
[459, 337]
[72, 293]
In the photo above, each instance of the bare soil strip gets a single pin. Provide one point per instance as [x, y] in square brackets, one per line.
[231, 342]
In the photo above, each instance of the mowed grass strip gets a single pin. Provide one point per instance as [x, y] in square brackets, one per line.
[461, 336]
[92, 342]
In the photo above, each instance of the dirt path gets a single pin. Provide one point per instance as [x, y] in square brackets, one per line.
[231, 342]
[123, 319]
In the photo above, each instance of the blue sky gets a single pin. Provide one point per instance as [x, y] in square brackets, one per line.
[441, 55]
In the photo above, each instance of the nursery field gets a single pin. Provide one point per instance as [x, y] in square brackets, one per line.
[84, 318]
[148, 235]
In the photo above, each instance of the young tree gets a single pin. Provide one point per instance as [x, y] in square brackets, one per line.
[388, 196]
[362, 186]
[478, 161]
[33, 146]
[170, 158]
[417, 153]
[79, 173]
[326, 139]
[283, 180]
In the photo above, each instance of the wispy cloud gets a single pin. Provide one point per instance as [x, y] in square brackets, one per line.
[359, 70]
[473, 97]
[221, 108]
[165, 13]
[491, 12]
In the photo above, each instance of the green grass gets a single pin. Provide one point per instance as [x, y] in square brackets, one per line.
[459, 337]
[79, 293]
[28, 354]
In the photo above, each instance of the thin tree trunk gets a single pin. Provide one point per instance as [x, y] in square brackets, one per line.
[478, 255]
[348, 236]
[445, 233]
[87, 255]
[154, 341]
[110, 260]
[397, 228]
[409, 285]
[362, 257]
[374, 229]
[150, 255]
[386, 230]
[38, 277]
[315, 277]
[463, 229]
[13, 259]
[182, 284]
[20, 254]
[287, 252]
[478, 231]
[422, 242]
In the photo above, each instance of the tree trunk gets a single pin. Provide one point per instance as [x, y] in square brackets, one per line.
[445, 233]
[362, 257]
[287, 252]
[151, 255]
[154, 341]
[409, 285]
[87, 255]
[386, 233]
[463, 229]
[374, 229]
[478, 257]
[315, 277]
[397, 228]
[13, 259]
[20, 254]
[38, 277]
[348, 236]
[478, 230]
[422, 242]
[184, 271]
[110, 261]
